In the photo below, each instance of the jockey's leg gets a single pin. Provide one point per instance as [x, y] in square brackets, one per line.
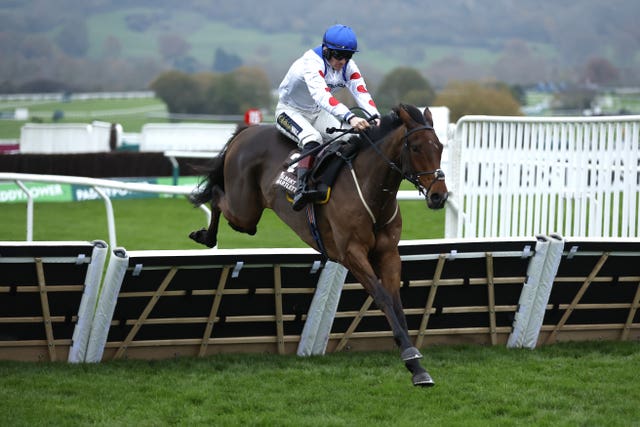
[302, 194]
[301, 127]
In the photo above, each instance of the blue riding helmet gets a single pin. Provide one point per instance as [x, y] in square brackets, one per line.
[340, 37]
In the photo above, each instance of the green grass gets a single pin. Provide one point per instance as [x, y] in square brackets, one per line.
[166, 224]
[570, 384]
[132, 114]
[256, 47]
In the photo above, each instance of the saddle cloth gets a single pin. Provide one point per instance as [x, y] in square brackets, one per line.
[325, 169]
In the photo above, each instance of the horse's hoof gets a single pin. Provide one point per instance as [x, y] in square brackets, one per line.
[197, 235]
[423, 380]
[200, 236]
[410, 353]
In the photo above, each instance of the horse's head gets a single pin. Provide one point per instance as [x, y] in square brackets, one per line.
[421, 154]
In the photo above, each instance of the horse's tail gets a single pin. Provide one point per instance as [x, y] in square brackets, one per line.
[214, 176]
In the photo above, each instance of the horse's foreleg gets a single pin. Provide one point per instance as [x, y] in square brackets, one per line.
[389, 266]
[388, 300]
[411, 355]
[392, 308]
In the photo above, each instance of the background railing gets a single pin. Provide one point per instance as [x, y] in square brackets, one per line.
[520, 176]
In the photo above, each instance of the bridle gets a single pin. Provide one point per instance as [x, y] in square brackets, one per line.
[411, 177]
[438, 174]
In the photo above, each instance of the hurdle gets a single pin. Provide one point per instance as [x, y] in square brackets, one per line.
[41, 288]
[454, 291]
[195, 303]
[596, 292]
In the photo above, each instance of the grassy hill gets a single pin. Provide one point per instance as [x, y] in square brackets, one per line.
[114, 45]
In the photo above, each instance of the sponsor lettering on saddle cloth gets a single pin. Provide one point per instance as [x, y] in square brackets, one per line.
[323, 174]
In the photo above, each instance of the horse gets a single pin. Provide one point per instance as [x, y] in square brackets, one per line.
[360, 224]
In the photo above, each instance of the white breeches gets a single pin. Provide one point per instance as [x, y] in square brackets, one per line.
[303, 127]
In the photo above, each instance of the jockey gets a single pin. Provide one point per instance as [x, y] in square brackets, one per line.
[307, 106]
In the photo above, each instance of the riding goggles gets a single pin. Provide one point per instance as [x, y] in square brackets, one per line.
[340, 54]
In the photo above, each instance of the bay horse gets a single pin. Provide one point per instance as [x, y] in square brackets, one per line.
[360, 225]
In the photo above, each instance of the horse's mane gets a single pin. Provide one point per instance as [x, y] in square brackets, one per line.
[391, 122]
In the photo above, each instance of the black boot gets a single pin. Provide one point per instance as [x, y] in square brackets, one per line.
[302, 195]
[299, 196]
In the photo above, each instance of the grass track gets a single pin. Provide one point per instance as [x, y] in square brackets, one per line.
[132, 114]
[166, 223]
[570, 384]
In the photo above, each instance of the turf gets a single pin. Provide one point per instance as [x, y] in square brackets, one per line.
[166, 223]
[569, 384]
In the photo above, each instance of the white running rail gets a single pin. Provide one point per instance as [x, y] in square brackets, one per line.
[98, 185]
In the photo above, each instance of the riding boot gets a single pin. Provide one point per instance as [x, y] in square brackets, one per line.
[299, 199]
[301, 195]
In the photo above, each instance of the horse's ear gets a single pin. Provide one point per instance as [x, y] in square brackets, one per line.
[428, 116]
[393, 115]
[404, 115]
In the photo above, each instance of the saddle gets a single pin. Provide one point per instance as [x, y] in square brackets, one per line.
[324, 171]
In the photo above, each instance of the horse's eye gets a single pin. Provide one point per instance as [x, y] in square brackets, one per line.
[415, 148]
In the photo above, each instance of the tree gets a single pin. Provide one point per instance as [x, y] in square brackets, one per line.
[73, 38]
[404, 85]
[172, 46]
[253, 88]
[187, 64]
[221, 96]
[43, 85]
[600, 71]
[181, 92]
[463, 98]
[234, 93]
[34, 47]
[225, 62]
[111, 47]
[214, 93]
[574, 98]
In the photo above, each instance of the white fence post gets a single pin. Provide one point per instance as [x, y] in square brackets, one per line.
[78, 349]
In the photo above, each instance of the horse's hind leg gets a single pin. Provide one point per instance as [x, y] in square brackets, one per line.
[209, 236]
[242, 208]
